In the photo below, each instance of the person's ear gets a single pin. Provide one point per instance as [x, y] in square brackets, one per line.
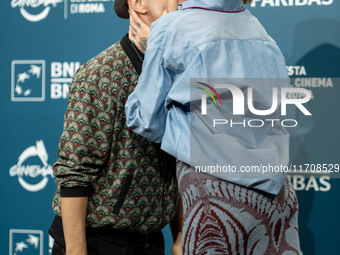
[138, 6]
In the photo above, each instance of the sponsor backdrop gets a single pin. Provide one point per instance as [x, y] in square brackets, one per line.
[44, 42]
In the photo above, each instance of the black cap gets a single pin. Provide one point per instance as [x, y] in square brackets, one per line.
[121, 8]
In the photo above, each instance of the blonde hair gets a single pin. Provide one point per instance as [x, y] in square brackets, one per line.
[247, 1]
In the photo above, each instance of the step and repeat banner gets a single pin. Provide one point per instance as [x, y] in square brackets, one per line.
[43, 43]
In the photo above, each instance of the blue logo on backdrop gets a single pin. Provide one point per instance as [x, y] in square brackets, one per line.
[25, 242]
[28, 80]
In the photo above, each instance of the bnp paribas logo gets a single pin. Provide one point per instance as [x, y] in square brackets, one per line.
[35, 10]
[28, 80]
[25, 242]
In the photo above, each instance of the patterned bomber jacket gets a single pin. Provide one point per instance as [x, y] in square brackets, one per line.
[126, 177]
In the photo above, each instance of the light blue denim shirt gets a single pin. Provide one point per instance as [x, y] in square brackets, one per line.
[207, 39]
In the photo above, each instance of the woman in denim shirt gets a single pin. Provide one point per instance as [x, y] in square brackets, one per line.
[222, 213]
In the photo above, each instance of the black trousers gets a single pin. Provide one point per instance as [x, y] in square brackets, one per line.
[121, 245]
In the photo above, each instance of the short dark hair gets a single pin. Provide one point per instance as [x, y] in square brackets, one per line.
[247, 1]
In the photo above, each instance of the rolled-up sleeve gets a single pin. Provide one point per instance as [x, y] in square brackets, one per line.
[86, 138]
[146, 107]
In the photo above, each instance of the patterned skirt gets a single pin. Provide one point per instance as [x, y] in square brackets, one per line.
[224, 218]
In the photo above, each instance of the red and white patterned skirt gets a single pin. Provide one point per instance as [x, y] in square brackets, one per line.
[224, 218]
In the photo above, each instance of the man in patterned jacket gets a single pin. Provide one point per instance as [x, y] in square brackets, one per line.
[115, 189]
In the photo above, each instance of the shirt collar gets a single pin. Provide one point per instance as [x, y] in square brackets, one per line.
[220, 5]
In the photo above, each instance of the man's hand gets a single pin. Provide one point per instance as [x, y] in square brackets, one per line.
[138, 31]
[73, 214]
